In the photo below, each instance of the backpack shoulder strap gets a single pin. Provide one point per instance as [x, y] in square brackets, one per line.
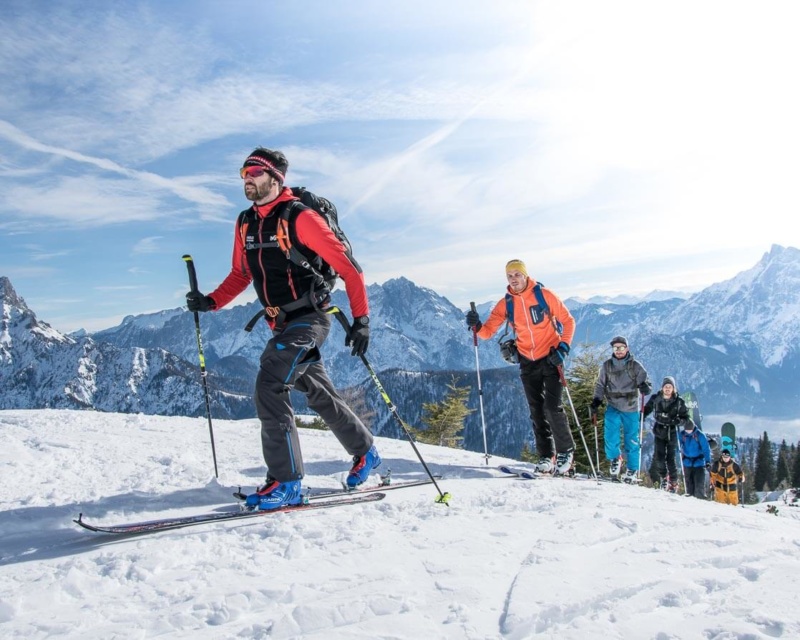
[539, 294]
[509, 308]
[243, 222]
[286, 217]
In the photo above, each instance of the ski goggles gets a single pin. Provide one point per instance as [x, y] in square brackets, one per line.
[252, 172]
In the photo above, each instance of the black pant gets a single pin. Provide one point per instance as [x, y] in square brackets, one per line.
[695, 480]
[292, 359]
[664, 458]
[542, 386]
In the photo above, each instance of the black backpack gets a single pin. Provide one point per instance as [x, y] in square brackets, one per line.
[325, 275]
[325, 208]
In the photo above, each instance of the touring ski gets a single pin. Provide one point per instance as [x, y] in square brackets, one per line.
[386, 485]
[165, 524]
[693, 405]
[527, 474]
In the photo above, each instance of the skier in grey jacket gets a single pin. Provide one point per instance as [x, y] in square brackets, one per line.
[622, 378]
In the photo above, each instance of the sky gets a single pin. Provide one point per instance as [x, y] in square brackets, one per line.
[616, 147]
[507, 560]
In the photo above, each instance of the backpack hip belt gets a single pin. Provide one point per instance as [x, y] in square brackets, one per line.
[280, 314]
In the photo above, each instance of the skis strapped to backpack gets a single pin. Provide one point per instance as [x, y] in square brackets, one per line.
[693, 406]
[728, 433]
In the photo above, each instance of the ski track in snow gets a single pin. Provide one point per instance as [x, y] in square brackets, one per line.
[509, 559]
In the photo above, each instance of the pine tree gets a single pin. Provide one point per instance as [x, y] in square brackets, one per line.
[581, 378]
[445, 420]
[764, 474]
[782, 467]
[796, 468]
[748, 488]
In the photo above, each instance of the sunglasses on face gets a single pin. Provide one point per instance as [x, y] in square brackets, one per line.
[620, 347]
[726, 455]
[252, 172]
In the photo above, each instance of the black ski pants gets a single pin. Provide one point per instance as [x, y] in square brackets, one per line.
[695, 480]
[292, 359]
[664, 462]
[542, 386]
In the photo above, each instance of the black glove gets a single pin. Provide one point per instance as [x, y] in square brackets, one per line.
[557, 354]
[358, 336]
[645, 388]
[196, 301]
[473, 321]
[596, 404]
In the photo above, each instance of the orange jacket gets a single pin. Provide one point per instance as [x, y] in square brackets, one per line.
[534, 339]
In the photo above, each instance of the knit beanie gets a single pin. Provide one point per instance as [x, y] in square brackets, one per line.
[274, 162]
[516, 265]
[669, 380]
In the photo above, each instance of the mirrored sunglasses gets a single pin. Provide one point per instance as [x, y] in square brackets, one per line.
[620, 347]
[252, 172]
[726, 455]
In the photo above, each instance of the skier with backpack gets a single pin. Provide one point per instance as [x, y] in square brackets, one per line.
[543, 329]
[696, 459]
[288, 251]
[669, 411]
[726, 478]
[621, 380]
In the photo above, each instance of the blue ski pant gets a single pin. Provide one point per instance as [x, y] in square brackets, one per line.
[628, 423]
[292, 359]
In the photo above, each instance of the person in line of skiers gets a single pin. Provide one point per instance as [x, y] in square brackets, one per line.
[621, 380]
[726, 478]
[669, 412]
[544, 328]
[696, 459]
[292, 358]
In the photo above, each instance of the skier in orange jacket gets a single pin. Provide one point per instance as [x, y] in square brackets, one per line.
[543, 336]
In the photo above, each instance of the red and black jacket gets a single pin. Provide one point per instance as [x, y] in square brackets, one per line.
[278, 281]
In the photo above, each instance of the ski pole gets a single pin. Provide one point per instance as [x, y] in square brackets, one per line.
[641, 427]
[596, 440]
[203, 372]
[680, 455]
[443, 498]
[577, 422]
[480, 388]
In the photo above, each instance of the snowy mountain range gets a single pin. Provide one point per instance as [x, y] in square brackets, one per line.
[735, 344]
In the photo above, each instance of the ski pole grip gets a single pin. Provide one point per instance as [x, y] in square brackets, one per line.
[341, 318]
[474, 329]
[192, 272]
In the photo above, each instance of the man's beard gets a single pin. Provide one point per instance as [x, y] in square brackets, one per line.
[255, 193]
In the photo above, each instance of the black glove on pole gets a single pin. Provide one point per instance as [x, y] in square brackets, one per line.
[193, 290]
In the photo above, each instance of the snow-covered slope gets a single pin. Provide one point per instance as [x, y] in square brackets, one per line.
[508, 559]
